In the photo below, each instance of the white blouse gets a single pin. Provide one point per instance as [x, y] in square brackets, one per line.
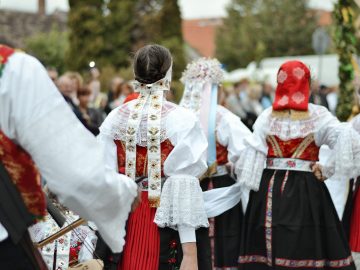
[231, 133]
[34, 115]
[355, 122]
[327, 130]
[181, 205]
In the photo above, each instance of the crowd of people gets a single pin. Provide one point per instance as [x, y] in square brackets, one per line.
[227, 179]
[246, 98]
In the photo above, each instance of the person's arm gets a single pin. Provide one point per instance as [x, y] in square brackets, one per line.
[67, 155]
[344, 163]
[231, 132]
[181, 204]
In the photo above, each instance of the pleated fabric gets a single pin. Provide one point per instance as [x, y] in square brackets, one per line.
[142, 246]
[355, 224]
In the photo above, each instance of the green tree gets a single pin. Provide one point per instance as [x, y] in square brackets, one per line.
[239, 35]
[49, 48]
[170, 34]
[264, 28]
[120, 26]
[345, 41]
[86, 34]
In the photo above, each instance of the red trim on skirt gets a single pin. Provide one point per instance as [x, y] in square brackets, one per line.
[355, 224]
[142, 246]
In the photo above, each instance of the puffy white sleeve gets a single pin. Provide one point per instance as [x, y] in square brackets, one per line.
[250, 166]
[344, 141]
[181, 205]
[35, 115]
[355, 122]
[231, 132]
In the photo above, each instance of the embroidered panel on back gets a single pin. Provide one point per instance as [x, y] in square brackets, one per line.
[141, 157]
[119, 123]
[303, 148]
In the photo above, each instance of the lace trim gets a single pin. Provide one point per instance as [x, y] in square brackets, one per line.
[115, 125]
[181, 204]
[287, 129]
[249, 168]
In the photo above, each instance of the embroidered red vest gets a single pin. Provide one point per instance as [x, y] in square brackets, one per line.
[278, 148]
[19, 165]
[141, 157]
[221, 154]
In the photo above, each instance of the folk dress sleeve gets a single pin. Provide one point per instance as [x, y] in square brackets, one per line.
[181, 205]
[35, 116]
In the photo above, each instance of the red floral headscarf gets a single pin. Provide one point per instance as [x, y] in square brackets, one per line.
[293, 89]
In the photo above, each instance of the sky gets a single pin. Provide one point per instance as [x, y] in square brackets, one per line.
[190, 9]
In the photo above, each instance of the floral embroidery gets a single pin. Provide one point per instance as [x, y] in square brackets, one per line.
[173, 253]
[298, 73]
[282, 76]
[314, 263]
[268, 221]
[291, 163]
[283, 101]
[298, 97]
[298, 263]
[252, 259]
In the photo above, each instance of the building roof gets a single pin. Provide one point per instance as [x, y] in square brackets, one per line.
[200, 34]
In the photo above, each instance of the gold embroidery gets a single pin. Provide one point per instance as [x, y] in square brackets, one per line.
[303, 145]
[275, 145]
[292, 114]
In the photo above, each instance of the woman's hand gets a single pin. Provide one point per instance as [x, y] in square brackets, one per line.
[317, 171]
[189, 261]
[136, 201]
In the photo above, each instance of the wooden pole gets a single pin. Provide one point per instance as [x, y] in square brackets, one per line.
[60, 233]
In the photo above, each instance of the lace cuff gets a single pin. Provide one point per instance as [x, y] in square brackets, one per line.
[345, 161]
[181, 204]
[249, 168]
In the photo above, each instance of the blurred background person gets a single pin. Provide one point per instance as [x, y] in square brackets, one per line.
[332, 99]
[252, 105]
[92, 116]
[53, 74]
[233, 102]
[122, 91]
[65, 86]
[94, 84]
[76, 83]
[114, 84]
[267, 95]
[318, 94]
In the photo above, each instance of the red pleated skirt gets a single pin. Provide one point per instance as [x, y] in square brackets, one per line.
[142, 246]
[355, 224]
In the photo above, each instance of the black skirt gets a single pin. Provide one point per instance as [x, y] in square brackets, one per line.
[227, 231]
[171, 250]
[291, 223]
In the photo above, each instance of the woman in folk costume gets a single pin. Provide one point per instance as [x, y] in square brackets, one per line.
[162, 147]
[355, 215]
[290, 221]
[40, 135]
[225, 134]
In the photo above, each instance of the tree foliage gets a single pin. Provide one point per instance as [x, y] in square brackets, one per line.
[107, 31]
[49, 48]
[345, 41]
[263, 28]
[171, 34]
[120, 25]
[86, 33]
